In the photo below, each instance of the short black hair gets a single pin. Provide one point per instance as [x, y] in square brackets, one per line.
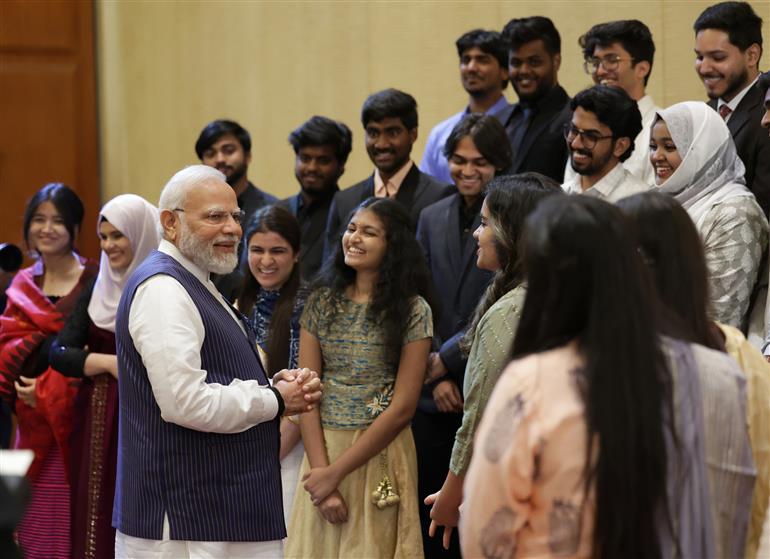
[633, 35]
[66, 202]
[322, 131]
[614, 108]
[737, 19]
[520, 31]
[390, 103]
[218, 128]
[487, 134]
[764, 82]
[490, 42]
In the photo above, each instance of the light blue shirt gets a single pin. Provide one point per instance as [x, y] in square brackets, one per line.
[433, 161]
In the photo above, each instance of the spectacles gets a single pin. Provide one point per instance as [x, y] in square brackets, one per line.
[588, 137]
[219, 217]
[609, 63]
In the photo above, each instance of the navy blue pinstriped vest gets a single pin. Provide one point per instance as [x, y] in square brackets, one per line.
[213, 487]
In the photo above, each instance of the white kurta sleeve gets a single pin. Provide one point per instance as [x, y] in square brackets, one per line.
[168, 333]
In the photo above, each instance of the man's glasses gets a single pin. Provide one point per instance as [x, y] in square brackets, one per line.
[219, 217]
[588, 137]
[609, 62]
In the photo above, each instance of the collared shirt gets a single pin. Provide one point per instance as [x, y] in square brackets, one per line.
[638, 164]
[614, 186]
[433, 161]
[167, 331]
[735, 101]
[390, 189]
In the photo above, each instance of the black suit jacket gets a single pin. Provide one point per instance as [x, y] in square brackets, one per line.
[543, 148]
[416, 192]
[752, 143]
[312, 227]
[458, 281]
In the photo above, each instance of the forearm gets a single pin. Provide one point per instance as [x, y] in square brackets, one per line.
[290, 436]
[375, 438]
[98, 363]
[313, 439]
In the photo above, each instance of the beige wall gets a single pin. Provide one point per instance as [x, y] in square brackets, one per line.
[166, 68]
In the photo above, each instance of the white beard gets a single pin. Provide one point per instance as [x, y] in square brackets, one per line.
[204, 255]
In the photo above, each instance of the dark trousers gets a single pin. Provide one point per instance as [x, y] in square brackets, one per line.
[434, 435]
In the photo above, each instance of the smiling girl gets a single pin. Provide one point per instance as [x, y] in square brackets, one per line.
[695, 161]
[273, 298]
[40, 299]
[85, 349]
[367, 331]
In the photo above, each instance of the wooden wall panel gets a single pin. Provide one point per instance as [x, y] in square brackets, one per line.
[48, 109]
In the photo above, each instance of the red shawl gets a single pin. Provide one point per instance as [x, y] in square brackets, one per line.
[29, 318]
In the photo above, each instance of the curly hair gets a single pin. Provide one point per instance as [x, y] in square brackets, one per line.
[510, 199]
[403, 272]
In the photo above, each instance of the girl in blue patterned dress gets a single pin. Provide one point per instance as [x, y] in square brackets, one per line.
[367, 331]
[272, 298]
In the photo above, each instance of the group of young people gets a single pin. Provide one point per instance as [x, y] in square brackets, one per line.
[556, 374]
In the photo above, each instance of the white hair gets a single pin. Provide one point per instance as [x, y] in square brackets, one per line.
[174, 194]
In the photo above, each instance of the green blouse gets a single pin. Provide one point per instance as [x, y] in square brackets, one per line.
[359, 370]
[489, 355]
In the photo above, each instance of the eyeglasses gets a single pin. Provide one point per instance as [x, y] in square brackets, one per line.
[588, 137]
[219, 217]
[609, 63]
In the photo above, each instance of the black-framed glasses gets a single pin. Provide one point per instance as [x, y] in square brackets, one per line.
[609, 62]
[588, 137]
[217, 217]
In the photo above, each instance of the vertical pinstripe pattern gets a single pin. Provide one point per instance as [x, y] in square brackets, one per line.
[213, 487]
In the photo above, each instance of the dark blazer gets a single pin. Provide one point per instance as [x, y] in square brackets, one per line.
[543, 148]
[459, 283]
[312, 243]
[416, 192]
[752, 143]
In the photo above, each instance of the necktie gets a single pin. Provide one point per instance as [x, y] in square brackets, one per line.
[724, 111]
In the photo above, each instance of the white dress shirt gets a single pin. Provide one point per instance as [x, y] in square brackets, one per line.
[638, 164]
[167, 331]
[614, 186]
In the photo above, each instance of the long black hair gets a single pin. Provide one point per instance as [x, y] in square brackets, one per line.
[586, 282]
[403, 273]
[673, 251]
[510, 199]
[273, 219]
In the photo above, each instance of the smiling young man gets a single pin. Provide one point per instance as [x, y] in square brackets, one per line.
[728, 47]
[620, 54]
[389, 118]
[536, 121]
[484, 76]
[600, 138]
[321, 148]
[226, 146]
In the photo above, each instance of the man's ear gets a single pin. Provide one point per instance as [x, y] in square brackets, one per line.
[170, 223]
[557, 61]
[752, 55]
[413, 134]
[642, 69]
[621, 145]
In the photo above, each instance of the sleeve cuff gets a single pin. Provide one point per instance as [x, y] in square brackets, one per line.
[279, 398]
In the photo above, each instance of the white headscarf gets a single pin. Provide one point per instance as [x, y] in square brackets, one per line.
[711, 171]
[137, 219]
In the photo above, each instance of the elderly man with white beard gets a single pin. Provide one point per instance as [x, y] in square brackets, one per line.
[198, 460]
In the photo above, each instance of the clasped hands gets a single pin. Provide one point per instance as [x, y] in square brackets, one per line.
[300, 389]
[321, 483]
